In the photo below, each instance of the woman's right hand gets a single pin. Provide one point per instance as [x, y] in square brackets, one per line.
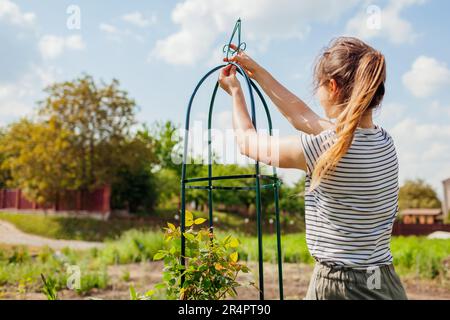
[251, 68]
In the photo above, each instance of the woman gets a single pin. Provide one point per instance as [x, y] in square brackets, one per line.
[351, 167]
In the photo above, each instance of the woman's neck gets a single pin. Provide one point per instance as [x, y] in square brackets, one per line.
[366, 121]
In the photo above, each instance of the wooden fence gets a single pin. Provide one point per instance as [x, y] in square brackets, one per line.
[94, 202]
[401, 229]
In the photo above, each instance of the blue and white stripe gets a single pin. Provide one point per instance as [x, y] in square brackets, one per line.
[349, 217]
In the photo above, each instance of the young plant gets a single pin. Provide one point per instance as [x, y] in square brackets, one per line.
[211, 264]
[138, 296]
[49, 288]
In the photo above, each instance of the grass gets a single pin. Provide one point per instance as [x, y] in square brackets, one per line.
[89, 229]
[72, 228]
[427, 258]
[132, 246]
[20, 268]
[418, 256]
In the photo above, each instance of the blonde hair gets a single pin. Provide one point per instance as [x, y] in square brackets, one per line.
[360, 73]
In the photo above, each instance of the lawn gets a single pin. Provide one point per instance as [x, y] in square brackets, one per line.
[20, 267]
[89, 229]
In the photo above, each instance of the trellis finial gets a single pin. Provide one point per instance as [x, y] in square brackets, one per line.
[241, 46]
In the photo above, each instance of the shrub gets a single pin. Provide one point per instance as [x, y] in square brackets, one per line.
[211, 264]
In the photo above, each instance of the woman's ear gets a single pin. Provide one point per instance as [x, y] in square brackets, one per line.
[332, 89]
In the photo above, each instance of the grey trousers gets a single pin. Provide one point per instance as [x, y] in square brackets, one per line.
[339, 283]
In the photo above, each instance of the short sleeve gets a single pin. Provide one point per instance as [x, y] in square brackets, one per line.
[314, 146]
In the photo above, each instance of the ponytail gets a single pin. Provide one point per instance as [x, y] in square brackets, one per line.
[367, 92]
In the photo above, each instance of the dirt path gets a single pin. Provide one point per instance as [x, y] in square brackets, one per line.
[9, 234]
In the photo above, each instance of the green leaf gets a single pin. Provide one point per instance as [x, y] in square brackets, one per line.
[133, 294]
[189, 223]
[199, 220]
[150, 293]
[171, 226]
[159, 255]
[226, 239]
[189, 218]
[167, 276]
[234, 243]
[189, 236]
[234, 256]
[160, 286]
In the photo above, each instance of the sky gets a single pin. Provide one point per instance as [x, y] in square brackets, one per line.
[159, 50]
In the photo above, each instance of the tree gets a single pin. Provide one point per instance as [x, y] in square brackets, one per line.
[134, 191]
[134, 185]
[39, 158]
[416, 194]
[5, 173]
[100, 117]
[167, 145]
[167, 188]
[81, 140]
[292, 199]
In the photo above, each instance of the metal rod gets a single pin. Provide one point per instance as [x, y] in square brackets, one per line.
[244, 176]
[276, 200]
[257, 176]
[264, 187]
[210, 200]
[183, 169]
[257, 189]
[279, 256]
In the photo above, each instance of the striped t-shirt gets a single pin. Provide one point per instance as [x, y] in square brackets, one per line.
[349, 216]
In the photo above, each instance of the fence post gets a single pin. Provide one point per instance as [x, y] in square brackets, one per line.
[78, 200]
[18, 195]
[56, 203]
[3, 202]
[106, 199]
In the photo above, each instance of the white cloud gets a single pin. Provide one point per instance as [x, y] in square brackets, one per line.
[423, 150]
[108, 28]
[18, 98]
[389, 113]
[51, 46]
[75, 42]
[11, 13]
[439, 111]
[201, 22]
[138, 19]
[426, 77]
[116, 34]
[376, 22]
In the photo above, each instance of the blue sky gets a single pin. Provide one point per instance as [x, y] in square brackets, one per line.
[160, 49]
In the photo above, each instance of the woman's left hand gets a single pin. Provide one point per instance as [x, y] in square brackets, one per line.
[228, 80]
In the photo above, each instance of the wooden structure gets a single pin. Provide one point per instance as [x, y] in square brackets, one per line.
[93, 203]
[421, 216]
[446, 202]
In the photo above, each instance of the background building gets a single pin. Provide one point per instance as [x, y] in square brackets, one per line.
[446, 202]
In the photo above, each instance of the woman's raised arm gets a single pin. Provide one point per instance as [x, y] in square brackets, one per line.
[302, 117]
[278, 152]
